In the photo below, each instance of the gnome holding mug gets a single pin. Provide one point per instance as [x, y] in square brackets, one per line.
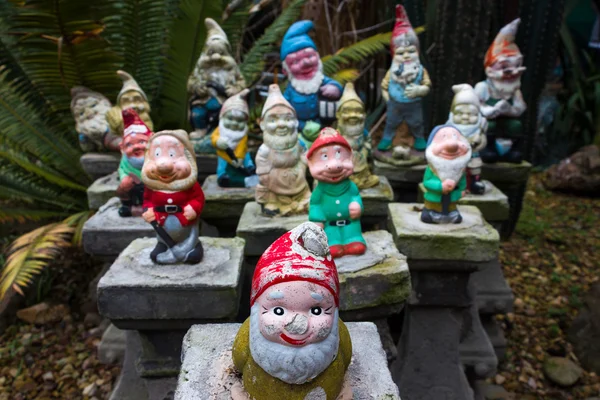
[173, 198]
[448, 153]
[294, 346]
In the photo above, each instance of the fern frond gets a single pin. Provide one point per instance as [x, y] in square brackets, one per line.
[346, 75]
[253, 64]
[21, 215]
[77, 221]
[235, 25]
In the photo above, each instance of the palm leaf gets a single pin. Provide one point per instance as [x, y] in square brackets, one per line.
[21, 215]
[77, 221]
[346, 75]
[254, 63]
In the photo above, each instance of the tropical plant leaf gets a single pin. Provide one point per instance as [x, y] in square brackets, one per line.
[346, 75]
[21, 215]
[77, 221]
[235, 25]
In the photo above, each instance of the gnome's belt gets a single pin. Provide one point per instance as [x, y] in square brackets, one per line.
[169, 209]
[340, 222]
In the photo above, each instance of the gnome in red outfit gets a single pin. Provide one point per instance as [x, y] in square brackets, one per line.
[173, 199]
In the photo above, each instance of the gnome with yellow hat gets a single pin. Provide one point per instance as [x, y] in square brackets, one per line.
[215, 78]
[351, 116]
[130, 96]
[501, 98]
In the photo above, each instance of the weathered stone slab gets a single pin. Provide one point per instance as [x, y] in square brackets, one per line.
[207, 369]
[494, 296]
[259, 231]
[98, 165]
[378, 278]
[107, 234]
[207, 165]
[473, 240]
[111, 349]
[495, 334]
[102, 190]
[134, 288]
[493, 204]
[224, 203]
[405, 174]
[476, 350]
[506, 172]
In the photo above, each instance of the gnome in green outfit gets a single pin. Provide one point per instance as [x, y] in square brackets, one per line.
[335, 203]
[133, 147]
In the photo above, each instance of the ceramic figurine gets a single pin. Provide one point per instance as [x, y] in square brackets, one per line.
[89, 110]
[351, 116]
[335, 204]
[281, 170]
[294, 346]
[173, 198]
[309, 91]
[215, 78]
[133, 147]
[448, 153]
[501, 99]
[466, 117]
[130, 96]
[235, 167]
[403, 87]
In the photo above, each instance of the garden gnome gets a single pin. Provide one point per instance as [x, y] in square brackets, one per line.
[173, 199]
[281, 170]
[215, 78]
[466, 117]
[335, 204]
[130, 96]
[234, 167]
[351, 117]
[89, 109]
[448, 153]
[294, 346]
[308, 89]
[404, 85]
[133, 147]
[501, 99]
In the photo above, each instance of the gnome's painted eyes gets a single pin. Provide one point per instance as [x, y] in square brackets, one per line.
[157, 152]
[171, 153]
[338, 154]
[324, 157]
[316, 310]
[278, 311]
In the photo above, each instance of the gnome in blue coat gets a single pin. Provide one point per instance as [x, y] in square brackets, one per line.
[309, 91]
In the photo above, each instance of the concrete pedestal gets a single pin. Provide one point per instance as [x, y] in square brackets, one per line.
[156, 305]
[494, 296]
[440, 312]
[207, 165]
[102, 190]
[493, 204]
[98, 165]
[207, 369]
[404, 179]
[224, 206]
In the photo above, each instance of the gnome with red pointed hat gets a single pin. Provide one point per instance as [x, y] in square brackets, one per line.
[501, 98]
[294, 344]
[131, 189]
[404, 85]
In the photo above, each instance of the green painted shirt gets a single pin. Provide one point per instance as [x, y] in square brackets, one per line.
[433, 184]
[330, 201]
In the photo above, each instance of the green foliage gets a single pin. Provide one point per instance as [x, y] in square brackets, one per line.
[355, 53]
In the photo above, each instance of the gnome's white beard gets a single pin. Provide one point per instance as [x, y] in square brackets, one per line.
[504, 89]
[468, 130]
[410, 70]
[293, 365]
[447, 169]
[277, 142]
[136, 162]
[95, 127]
[232, 137]
[354, 134]
[306, 86]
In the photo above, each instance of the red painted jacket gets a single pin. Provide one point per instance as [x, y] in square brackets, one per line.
[193, 196]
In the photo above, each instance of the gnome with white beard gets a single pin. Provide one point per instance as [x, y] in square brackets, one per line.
[466, 117]
[235, 167]
[501, 98]
[448, 153]
[294, 346]
[281, 168]
[89, 110]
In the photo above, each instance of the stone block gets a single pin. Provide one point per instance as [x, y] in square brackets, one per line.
[476, 351]
[98, 165]
[207, 368]
[473, 240]
[135, 289]
[493, 204]
[404, 174]
[503, 172]
[222, 203]
[106, 234]
[259, 231]
[374, 281]
[111, 349]
[207, 165]
[494, 296]
[102, 190]
[496, 335]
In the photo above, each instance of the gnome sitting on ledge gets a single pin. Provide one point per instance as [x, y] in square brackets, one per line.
[294, 346]
[448, 153]
[173, 199]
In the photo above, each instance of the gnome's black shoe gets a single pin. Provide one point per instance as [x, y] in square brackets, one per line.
[196, 255]
[268, 212]
[224, 181]
[427, 216]
[477, 187]
[453, 217]
[513, 156]
[159, 249]
[125, 211]
[489, 154]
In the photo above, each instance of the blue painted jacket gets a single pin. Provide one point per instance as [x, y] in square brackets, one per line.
[307, 105]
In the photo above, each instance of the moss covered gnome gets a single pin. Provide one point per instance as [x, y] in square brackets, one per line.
[130, 96]
[294, 346]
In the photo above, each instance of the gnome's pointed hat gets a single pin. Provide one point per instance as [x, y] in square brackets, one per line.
[78, 92]
[296, 38]
[129, 84]
[214, 31]
[301, 254]
[349, 95]
[402, 28]
[133, 124]
[275, 98]
[504, 44]
[328, 136]
[464, 94]
[236, 102]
